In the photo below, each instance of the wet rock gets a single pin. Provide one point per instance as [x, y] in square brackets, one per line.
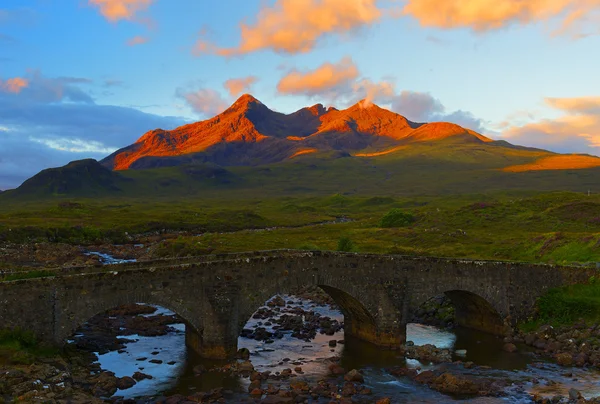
[277, 301]
[384, 400]
[245, 366]
[332, 343]
[336, 370]
[139, 376]
[124, 383]
[448, 383]
[156, 361]
[509, 347]
[354, 376]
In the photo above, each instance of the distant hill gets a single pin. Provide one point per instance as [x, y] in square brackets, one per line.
[249, 133]
[78, 178]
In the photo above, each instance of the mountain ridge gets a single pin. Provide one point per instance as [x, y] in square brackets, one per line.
[250, 133]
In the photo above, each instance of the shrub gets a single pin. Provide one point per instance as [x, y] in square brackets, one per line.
[396, 218]
[345, 245]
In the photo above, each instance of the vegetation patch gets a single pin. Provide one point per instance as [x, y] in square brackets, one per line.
[21, 347]
[397, 218]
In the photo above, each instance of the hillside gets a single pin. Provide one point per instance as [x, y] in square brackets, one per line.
[78, 178]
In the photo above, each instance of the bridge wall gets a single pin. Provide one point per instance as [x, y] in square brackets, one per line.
[377, 294]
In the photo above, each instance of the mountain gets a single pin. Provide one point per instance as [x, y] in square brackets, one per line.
[78, 178]
[250, 151]
[249, 133]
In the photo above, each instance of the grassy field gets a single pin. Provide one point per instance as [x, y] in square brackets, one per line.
[549, 227]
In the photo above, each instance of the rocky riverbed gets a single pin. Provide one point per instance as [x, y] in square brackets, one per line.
[293, 350]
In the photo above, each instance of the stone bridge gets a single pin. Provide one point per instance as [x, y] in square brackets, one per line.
[216, 295]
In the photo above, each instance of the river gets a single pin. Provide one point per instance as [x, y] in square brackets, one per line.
[175, 375]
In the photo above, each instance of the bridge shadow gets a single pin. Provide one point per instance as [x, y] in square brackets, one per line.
[460, 308]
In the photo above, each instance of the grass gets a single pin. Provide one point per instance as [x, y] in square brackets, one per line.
[21, 347]
[541, 227]
[567, 305]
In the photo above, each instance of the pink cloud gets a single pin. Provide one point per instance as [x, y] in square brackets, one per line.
[115, 10]
[137, 40]
[204, 101]
[578, 130]
[237, 86]
[14, 85]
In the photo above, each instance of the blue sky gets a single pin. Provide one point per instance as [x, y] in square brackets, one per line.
[80, 78]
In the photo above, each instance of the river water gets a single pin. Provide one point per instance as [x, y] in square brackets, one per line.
[175, 375]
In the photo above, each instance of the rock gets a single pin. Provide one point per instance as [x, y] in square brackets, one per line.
[574, 394]
[277, 301]
[384, 400]
[448, 383]
[336, 370]
[333, 343]
[255, 385]
[354, 376]
[564, 359]
[125, 383]
[243, 354]
[425, 377]
[509, 347]
[156, 361]
[245, 366]
[256, 393]
[139, 376]
[199, 369]
[348, 390]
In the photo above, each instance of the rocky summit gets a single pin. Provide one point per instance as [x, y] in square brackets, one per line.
[249, 133]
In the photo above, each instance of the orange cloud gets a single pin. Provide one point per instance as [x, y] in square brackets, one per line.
[295, 26]
[577, 130]
[484, 15]
[115, 10]
[384, 91]
[580, 105]
[137, 40]
[14, 85]
[325, 78]
[238, 86]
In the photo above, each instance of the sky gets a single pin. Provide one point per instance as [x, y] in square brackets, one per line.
[82, 78]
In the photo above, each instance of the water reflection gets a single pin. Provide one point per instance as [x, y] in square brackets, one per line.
[180, 377]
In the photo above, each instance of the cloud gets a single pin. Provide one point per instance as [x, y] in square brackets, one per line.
[14, 85]
[54, 121]
[577, 130]
[137, 40]
[341, 83]
[295, 26]
[327, 78]
[113, 83]
[204, 101]
[236, 87]
[485, 15]
[115, 10]
[43, 89]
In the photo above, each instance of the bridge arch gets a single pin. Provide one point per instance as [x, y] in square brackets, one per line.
[362, 311]
[471, 310]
